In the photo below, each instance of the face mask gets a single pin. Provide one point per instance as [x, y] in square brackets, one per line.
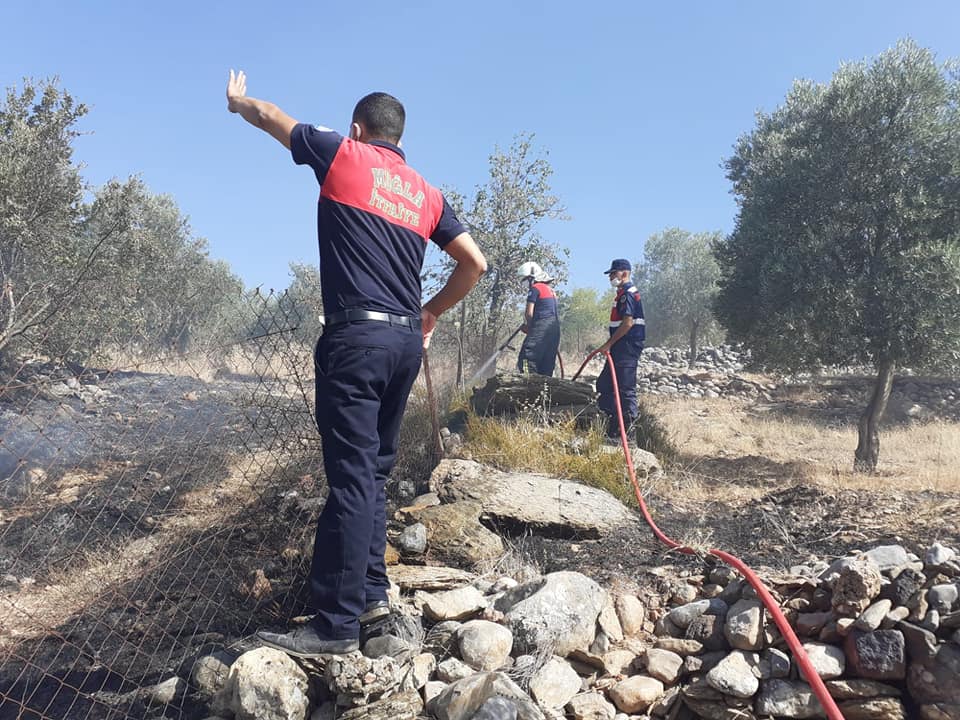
[614, 282]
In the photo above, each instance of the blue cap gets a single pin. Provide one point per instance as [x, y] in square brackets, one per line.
[618, 265]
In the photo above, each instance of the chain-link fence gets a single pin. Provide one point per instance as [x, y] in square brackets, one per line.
[151, 510]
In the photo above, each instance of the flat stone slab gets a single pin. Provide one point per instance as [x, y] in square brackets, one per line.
[520, 501]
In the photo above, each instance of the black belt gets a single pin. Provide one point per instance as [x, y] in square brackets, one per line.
[345, 316]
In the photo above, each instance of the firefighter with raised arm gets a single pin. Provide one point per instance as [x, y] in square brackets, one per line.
[375, 216]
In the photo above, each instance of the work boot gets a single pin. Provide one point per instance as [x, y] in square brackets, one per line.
[374, 611]
[403, 627]
[304, 642]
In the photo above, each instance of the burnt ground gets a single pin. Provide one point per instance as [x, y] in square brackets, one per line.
[163, 496]
[153, 501]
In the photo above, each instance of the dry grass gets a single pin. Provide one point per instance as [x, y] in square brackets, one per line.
[517, 562]
[558, 450]
[732, 452]
[236, 362]
[728, 441]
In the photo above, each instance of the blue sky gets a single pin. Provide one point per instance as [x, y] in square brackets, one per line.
[637, 102]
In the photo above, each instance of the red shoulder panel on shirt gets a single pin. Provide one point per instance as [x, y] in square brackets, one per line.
[545, 290]
[377, 180]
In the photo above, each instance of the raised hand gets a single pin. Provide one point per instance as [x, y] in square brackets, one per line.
[236, 89]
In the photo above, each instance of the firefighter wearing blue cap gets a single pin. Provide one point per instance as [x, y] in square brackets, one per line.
[627, 333]
[541, 323]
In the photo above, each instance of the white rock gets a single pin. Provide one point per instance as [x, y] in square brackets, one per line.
[266, 684]
[452, 669]
[828, 660]
[557, 611]
[683, 615]
[484, 645]
[743, 627]
[462, 699]
[609, 623]
[166, 692]
[458, 604]
[888, 557]
[788, 699]
[502, 585]
[636, 694]
[209, 673]
[873, 616]
[590, 706]
[737, 674]
[554, 684]
[631, 613]
[431, 691]
[939, 555]
[616, 662]
[664, 665]
[421, 670]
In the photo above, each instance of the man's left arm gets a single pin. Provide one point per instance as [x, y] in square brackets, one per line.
[259, 113]
[531, 307]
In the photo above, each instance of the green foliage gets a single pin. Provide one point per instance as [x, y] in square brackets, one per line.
[42, 215]
[584, 314]
[303, 302]
[844, 250]
[677, 279]
[120, 274]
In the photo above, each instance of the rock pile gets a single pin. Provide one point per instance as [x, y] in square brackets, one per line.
[881, 628]
[725, 359]
[911, 398]
[701, 385]
[716, 373]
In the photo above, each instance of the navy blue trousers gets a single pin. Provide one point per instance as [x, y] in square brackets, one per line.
[625, 354]
[538, 354]
[364, 372]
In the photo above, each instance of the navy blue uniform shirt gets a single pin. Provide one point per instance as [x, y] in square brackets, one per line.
[544, 300]
[374, 218]
[627, 302]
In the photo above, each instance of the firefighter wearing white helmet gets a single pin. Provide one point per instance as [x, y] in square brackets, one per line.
[541, 322]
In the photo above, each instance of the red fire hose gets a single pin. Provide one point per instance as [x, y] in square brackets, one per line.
[809, 673]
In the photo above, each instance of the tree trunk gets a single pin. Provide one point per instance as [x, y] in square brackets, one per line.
[694, 328]
[493, 320]
[868, 438]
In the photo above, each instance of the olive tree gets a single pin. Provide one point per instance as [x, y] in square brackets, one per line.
[845, 244]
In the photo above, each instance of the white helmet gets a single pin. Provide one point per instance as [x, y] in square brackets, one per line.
[531, 269]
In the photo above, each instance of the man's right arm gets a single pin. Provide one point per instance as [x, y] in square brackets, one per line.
[471, 265]
[259, 113]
